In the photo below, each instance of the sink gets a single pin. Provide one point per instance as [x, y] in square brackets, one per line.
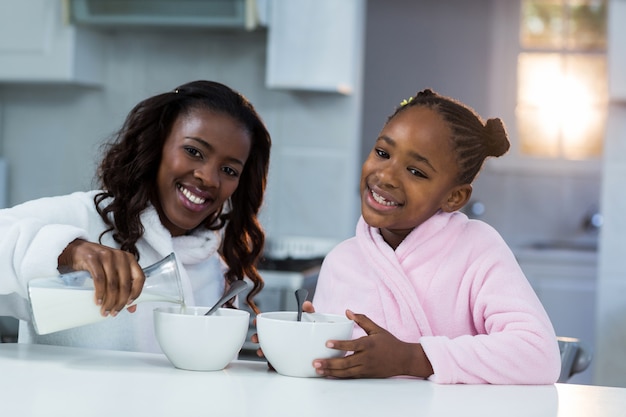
[570, 245]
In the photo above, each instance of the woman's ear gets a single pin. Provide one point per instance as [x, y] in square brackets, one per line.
[458, 197]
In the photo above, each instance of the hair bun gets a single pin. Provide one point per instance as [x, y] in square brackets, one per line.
[427, 92]
[497, 140]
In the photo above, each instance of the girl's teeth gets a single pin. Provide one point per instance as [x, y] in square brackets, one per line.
[191, 197]
[381, 200]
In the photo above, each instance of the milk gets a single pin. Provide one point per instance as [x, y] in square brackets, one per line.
[68, 300]
[60, 308]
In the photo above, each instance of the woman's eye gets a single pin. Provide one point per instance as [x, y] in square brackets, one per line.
[381, 153]
[192, 151]
[230, 171]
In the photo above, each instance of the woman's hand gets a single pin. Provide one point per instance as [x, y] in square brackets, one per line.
[118, 278]
[377, 355]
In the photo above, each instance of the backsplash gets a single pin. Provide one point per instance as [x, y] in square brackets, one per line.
[529, 208]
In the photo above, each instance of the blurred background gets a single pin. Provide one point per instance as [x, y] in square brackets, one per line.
[324, 75]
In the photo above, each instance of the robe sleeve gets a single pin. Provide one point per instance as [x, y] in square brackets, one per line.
[32, 236]
[515, 341]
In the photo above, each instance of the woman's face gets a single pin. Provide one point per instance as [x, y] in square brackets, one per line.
[203, 158]
[410, 173]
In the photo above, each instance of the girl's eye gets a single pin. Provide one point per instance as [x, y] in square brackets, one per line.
[417, 173]
[381, 153]
[231, 172]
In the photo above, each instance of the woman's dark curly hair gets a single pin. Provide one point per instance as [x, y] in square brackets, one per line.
[128, 174]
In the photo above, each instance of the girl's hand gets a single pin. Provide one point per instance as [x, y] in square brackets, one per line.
[117, 277]
[377, 355]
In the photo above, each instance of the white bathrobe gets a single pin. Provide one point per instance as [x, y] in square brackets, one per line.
[33, 235]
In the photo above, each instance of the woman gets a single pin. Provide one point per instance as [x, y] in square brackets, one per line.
[186, 173]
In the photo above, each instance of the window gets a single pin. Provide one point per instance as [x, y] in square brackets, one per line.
[562, 87]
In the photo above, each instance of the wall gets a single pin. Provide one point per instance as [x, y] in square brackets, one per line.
[417, 44]
[50, 133]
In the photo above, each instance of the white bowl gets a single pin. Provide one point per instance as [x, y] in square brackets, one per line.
[196, 342]
[290, 346]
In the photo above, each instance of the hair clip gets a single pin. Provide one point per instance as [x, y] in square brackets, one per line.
[405, 101]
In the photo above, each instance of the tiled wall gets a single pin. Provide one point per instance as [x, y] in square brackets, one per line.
[532, 207]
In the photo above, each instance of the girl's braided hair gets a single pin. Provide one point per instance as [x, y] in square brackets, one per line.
[473, 140]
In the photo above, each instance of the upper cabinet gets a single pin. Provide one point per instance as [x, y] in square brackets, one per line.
[314, 45]
[617, 50]
[37, 45]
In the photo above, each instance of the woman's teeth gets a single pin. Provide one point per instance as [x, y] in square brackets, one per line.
[191, 197]
[381, 200]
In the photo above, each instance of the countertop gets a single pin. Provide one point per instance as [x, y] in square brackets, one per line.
[39, 380]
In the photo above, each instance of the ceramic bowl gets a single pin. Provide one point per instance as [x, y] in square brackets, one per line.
[290, 346]
[196, 342]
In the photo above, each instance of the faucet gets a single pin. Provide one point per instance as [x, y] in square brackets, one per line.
[592, 221]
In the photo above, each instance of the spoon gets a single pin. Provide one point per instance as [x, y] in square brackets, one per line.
[235, 288]
[301, 296]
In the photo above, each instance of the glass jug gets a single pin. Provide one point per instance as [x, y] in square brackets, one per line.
[68, 300]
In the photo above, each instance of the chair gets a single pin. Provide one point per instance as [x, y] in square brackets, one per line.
[574, 358]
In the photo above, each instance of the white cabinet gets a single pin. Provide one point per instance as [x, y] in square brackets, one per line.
[565, 282]
[617, 50]
[315, 45]
[37, 45]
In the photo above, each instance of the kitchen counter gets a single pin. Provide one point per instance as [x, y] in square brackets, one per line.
[39, 380]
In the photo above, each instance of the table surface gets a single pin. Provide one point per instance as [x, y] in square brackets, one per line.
[39, 380]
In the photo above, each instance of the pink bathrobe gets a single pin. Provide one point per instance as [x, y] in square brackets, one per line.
[454, 286]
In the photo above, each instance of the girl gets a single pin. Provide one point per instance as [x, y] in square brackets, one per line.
[441, 296]
[185, 174]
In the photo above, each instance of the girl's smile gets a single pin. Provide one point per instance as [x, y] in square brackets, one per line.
[382, 199]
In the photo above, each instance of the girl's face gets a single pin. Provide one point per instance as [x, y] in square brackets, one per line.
[203, 158]
[410, 174]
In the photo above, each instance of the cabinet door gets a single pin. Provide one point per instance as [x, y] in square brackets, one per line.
[566, 286]
[315, 44]
[36, 45]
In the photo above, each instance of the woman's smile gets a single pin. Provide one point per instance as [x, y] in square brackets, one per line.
[193, 200]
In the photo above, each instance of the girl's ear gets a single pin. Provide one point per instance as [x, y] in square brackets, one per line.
[458, 197]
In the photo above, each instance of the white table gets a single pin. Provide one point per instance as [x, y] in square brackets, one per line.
[37, 380]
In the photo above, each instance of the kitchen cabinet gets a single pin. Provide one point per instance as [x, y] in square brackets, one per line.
[617, 50]
[315, 45]
[37, 45]
[565, 282]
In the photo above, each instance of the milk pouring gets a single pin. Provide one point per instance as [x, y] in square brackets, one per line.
[68, 300]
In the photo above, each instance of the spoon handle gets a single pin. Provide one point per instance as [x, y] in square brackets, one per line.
[301, 295]
[235, 288]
